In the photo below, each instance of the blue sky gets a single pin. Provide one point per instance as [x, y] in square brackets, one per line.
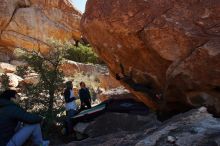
[79, 4]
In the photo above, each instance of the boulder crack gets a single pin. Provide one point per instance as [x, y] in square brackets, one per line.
[174, 66]
[35, 39]
[11, 18]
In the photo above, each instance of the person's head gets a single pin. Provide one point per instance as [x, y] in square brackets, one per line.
[9, 94]
[82, 84]
[69, 84]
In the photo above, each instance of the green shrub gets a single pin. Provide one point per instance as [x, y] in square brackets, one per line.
[21, 71]
[5, 82]
[83, 54]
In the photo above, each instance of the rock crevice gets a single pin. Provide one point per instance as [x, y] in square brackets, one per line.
[17, 6]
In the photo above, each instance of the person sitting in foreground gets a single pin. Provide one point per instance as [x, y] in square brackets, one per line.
[10, 117]
[85, 97]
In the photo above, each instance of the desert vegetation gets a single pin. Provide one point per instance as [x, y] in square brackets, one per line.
[46, 96]
[82, 53]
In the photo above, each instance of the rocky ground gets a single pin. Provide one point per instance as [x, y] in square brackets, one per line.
[193, 128]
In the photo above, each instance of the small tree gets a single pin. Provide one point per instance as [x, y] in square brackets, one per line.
[4, 82]
[22, 71]
[33, 95]
[47, 66]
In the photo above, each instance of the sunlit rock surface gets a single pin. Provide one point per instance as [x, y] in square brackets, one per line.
[30, 23]
[166, 52]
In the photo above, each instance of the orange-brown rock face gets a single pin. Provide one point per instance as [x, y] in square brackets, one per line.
[158, 47]
[29, 23]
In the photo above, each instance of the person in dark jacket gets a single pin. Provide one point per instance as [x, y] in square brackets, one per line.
[10, 117]
[85, 96]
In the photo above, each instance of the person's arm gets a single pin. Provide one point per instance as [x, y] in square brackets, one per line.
[67, 96]
[80, 95]
[21, 115]
[89, 95]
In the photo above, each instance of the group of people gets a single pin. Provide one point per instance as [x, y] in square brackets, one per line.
[84, 95]
[13, 133]
[70, 104]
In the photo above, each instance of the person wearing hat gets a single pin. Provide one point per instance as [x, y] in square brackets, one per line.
[10, 116]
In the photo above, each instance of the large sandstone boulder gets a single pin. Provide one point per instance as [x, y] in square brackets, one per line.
[29, 23]
[7, 68]
[32, 78]
[115, 93]
[14, 79]
[107, 81]
[160, 47]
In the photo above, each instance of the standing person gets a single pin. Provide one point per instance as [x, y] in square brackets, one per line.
[85, 97]
[10, 117]
[70, 105]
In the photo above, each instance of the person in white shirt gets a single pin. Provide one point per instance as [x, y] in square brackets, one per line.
[70, 105]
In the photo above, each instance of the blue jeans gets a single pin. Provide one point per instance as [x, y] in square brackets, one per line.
[33, 131]
[69, 115]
